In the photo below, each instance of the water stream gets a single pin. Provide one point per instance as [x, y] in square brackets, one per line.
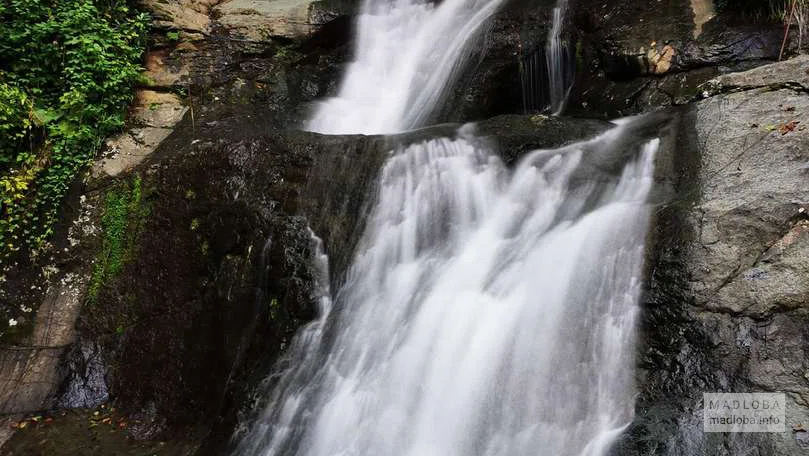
[488, 311]
[558, 64]
[547, 73]
[407, 54]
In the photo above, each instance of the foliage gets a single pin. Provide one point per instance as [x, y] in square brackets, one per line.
[15, 124]
[125, 212]
[67, 68]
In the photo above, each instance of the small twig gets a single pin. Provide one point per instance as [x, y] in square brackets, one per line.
[788, 22]
[191, 106]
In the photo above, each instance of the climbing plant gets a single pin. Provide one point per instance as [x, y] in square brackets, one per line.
[67, 68]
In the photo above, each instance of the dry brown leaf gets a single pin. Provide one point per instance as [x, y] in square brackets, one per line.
[788, 127]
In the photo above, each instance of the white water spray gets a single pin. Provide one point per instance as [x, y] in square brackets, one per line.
[486, 314]
[407, 54]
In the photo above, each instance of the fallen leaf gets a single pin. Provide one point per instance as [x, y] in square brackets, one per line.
[787, 127]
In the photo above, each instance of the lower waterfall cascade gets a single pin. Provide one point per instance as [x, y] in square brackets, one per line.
[487, 312]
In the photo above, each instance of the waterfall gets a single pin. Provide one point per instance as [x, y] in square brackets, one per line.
[407, 54]
[487, 312]
[557, 56]
[546, 74]
[534, 81]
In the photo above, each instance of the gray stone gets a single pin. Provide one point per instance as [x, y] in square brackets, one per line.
[728, 305]
[30, 374]
[156, 109]
[128, 149]
[792, 73]
[187, 15]
[258, 20]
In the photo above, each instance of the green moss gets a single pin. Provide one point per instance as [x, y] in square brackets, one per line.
[274, 309]
[125, 213]
[579, 55]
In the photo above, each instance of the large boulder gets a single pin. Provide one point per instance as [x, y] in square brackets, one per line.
[727, 304]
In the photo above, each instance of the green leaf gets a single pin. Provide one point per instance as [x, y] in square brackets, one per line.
[44, 116]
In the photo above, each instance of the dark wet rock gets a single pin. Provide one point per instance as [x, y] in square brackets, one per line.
[100, 431]
[490, 84]
[86, 383]
[521, 134]
[626, 57]
[42, 366]
[632, 57]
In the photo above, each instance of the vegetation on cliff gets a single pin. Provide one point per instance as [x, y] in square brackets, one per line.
[67, 68]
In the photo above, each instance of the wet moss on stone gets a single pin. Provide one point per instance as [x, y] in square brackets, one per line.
[122, 221]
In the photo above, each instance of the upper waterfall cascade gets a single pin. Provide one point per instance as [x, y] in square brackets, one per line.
[407, 54]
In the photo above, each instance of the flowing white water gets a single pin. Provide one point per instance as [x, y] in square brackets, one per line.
[559, 77]
[487, 313]
[408, 52]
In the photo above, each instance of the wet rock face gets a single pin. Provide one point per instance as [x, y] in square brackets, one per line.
[184, 315]
[727, 306]
[489, 85]
[628, 56]
[633, 56]
[168, 333]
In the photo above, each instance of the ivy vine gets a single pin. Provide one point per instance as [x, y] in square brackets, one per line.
[67, 69]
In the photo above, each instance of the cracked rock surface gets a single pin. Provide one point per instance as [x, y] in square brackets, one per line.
[728, 305]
